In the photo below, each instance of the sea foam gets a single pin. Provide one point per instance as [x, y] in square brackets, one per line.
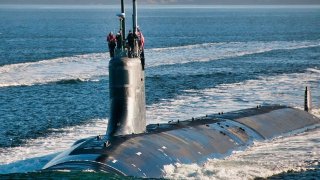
[90, 67]
[263, 159]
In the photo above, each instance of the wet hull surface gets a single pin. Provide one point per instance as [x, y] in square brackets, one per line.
[191, 141]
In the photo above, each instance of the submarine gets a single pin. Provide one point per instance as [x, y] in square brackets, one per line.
[130, 147]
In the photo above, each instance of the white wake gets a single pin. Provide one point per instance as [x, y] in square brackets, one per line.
[93, 66]
[263, 159]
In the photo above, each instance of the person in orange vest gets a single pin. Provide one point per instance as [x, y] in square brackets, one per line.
[111, 39]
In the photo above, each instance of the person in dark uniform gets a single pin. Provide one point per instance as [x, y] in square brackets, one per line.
[119, 40]
[130, 39]
[111, 39]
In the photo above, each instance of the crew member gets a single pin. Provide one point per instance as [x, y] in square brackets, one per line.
[111, 39]
[141, 47]
[131, 38]
[119, 40]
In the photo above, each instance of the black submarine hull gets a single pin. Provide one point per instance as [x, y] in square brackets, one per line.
[190, 141]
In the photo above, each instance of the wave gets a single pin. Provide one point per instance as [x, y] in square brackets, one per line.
[314, 70]
[83, 67]
[71, 81]
[93, 66]
[37, 152]
[287, 89]
[215, 51]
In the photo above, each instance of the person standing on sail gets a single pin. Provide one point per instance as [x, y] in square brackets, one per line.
[111, 39]
[141, 47]
[131, 38]
[119, 40]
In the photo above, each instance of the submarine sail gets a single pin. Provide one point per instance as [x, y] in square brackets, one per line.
[127, 90]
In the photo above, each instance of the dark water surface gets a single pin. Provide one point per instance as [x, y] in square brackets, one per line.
[33, 34]
[36, 34]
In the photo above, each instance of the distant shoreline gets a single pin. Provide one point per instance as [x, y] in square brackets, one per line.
[100, 6]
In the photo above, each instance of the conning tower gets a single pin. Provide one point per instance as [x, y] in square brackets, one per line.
[127, 87]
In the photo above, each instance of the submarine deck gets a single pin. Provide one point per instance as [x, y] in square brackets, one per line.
[191, 141]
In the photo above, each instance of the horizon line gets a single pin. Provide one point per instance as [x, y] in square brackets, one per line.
[167, 5]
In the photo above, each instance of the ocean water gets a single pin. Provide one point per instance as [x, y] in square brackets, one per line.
[199, 60]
